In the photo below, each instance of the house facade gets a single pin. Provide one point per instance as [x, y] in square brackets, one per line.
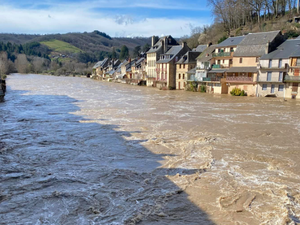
[273, 70]
[245, 63]
[158, 47]
[185, 64]
[166, 66]
[293, 79]
[222, 62]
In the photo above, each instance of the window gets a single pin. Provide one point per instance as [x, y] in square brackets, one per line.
[280, 63]
[269, 76]
[298, 62]
[182, 76]
[280, 76]
[270, 63]
[272, 88]
[231, 49]
[183, 66]
[257, 59]
[241, 60]
[179, 66]
[223, 61]
[280, 87]
[179, 76]
[264, 87]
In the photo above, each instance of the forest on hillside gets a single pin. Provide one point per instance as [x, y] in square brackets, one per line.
[240, 17]
[37, 55]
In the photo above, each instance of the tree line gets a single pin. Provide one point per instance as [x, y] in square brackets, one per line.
[235, 13]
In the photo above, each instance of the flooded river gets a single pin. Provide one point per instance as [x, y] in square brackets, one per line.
[79, 151]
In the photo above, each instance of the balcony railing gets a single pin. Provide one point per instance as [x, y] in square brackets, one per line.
[273, 79]
[239, 79]
[211, 78]
[292, 79]
[216, 66]
[221, 54]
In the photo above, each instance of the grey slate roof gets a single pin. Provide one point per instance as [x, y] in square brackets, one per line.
[173, 51]
[255, 44]
[242, 70]
[232, 41]
[192, 71]
[100, 63]
[189, 57]
[158, 44]
[298, 38]
[199, 48]
[217, 71]
[140, 60]
[259, 38]
[207, 54]
[286, 50]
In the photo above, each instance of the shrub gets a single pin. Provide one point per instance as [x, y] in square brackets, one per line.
[202, 88]
[237, 92]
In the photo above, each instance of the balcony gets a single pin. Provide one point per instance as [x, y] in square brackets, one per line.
[211, 78]
[282, 68]
[216, 66]
[272, 80]
[222, 54]
[294, 79]
[233, 79]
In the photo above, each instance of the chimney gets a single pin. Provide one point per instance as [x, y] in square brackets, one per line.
[267, 48]
[163, 46]
[209, 44]
[153, 39]
[183, 44]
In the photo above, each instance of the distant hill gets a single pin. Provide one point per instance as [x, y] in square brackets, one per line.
[87, 42]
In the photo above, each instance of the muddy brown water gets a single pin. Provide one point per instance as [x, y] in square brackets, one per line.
[79, 151]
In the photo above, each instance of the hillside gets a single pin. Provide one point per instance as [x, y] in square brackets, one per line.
[88, 42]
[60, 46]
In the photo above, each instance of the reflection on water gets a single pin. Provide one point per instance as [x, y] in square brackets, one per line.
[78, 151]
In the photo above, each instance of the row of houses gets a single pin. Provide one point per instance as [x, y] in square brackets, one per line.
[260, 64]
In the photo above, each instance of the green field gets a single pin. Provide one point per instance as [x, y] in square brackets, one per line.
[61, 46]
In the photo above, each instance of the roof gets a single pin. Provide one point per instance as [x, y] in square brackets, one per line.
[217, 71]
[173, 52]
[286, 50]
[242, 70]
[199, 48]
[255, 44]
[189, 57]
[232, 41]
[207, 54]
[298, 38]
[100, 63]
[140, 60]
[259, 38]
[192, 71]
[158, 45]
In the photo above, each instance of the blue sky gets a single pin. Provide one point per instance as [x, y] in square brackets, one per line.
[117, 18]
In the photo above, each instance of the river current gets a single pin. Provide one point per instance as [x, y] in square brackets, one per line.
[79, 151]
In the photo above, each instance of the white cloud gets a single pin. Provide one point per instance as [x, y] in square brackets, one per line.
[79, 18]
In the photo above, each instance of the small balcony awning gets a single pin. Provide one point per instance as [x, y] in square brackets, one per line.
[217, 71]
[242, 70]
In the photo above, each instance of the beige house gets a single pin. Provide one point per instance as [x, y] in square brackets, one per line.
[99, 68]
[166, 66]
[222, 61]
[273, 69]
[158, 47]
[185, 64]
[244, 69]
[138, 70]
[292, 87]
